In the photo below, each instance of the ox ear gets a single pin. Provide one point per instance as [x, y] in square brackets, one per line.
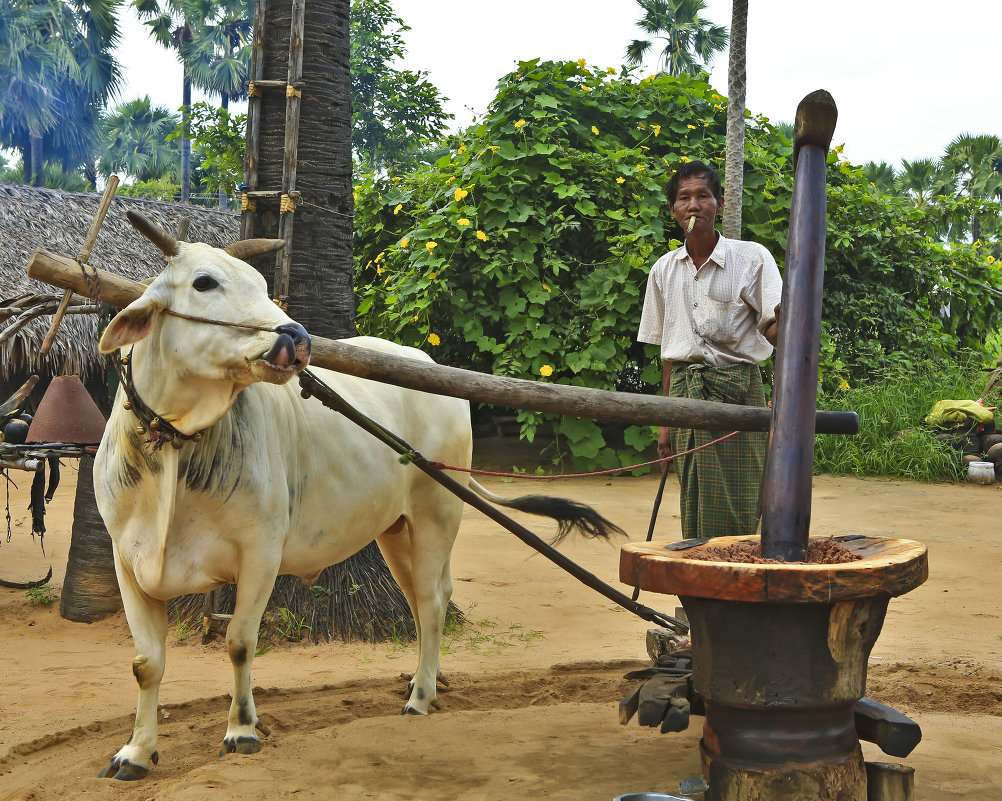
[131, 324]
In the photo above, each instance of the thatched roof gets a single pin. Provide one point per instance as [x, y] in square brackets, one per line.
[31, 217]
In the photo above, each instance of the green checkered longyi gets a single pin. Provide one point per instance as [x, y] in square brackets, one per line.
[720, 484]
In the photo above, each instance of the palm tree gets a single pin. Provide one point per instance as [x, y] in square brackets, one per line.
[57, 68]
[734, 150]
[133, 141]
[921, 180]
[975, 164]
[357, 598]
[882, 175]
[691, 40]
[219, 54]
[172, 24]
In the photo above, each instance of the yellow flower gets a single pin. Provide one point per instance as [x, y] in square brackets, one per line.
[386, 281]
[594, 130]
[620, 180]
[684, 159]
[462, 221]
[693, 127]
[706, 125]
[481, 236]
[656, 129]
[434, 340]
[462, 149]
[843, 384]
[414, 319]
[431, 245]
[640, 168]
[460, 193]
[404, 242]
[450, 179]
[641, 125]
[493, 148]
[546, 370]
[432, 276]
[581, 63]
[610, 70]
[398, 207]
[520, 123]
[379, 271]
[546, 288]
[585, 88]
[990, 259]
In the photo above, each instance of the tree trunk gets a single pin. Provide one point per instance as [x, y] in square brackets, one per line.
[356, 599]
[90, 588]
[224, 201]
[734, 162]
[37, 169]
[185, 141]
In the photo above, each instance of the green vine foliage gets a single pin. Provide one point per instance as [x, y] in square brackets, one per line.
[524, 251]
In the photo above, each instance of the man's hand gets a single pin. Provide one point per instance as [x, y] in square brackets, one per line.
[664, 446]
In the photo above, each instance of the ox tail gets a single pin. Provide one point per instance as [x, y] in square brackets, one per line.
[26, 585]
[571, 516]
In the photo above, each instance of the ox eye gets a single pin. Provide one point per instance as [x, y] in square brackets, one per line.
[204, 283]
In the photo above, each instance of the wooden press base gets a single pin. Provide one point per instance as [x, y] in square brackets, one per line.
[780, 654]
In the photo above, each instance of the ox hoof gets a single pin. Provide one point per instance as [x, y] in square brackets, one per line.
[125, 771]
[240, 745]
[410, 710]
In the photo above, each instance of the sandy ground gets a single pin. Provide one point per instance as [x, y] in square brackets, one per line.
[535, 677]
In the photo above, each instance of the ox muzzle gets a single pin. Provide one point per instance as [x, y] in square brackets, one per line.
[291, 347]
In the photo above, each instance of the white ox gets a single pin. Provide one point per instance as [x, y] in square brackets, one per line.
[277, 485]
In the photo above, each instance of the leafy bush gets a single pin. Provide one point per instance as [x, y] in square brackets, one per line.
[524, 251]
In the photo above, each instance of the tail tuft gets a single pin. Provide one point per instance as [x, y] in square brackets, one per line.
[571, 517]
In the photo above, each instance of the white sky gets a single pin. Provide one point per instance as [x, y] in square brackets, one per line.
[907, 75]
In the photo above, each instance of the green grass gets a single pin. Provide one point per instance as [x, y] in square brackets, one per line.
[41, 596]
[893, 440]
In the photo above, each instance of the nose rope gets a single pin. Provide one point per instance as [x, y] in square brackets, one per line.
[210, 321]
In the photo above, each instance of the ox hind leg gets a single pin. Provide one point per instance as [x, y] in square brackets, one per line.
[417, 552]
[254, 587]
[148, 623]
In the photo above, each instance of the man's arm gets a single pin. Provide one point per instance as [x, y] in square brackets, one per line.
[771, 332]
[664, 432]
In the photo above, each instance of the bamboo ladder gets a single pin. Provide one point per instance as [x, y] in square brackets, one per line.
[293, 89]
[287, 195]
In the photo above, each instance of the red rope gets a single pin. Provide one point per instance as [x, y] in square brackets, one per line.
[474, 472]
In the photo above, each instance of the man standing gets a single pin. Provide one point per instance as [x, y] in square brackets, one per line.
[711, 305]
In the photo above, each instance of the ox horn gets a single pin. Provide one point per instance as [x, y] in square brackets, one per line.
[157, 235]
[249, 248]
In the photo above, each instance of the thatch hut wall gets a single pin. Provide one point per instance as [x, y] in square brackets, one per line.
[32, 217]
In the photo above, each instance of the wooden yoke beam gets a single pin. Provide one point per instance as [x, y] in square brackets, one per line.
[595, 404]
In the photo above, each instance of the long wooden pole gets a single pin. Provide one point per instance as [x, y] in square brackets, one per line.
[786, 482]
[595, 404]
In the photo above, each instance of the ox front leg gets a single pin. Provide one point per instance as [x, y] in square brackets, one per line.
[253, 591]
[148, 622]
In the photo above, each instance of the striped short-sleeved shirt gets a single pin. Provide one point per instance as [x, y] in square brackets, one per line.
[715, 314]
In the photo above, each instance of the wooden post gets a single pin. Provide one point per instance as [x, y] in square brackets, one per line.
[82, 256]
[251, 154]
[786, 482]
[886, 781]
